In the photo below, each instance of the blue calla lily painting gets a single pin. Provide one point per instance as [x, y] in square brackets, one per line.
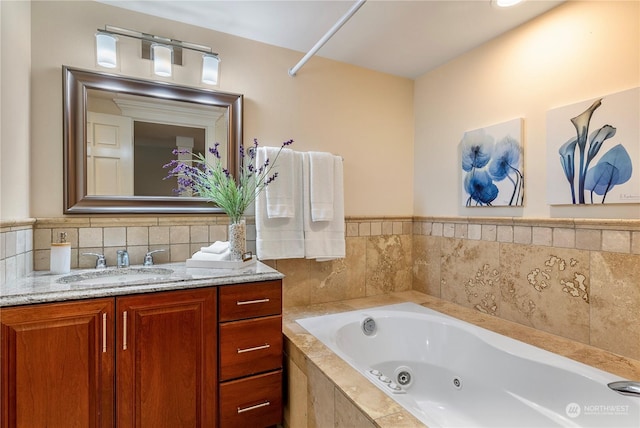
[593, 151]
[491, 161]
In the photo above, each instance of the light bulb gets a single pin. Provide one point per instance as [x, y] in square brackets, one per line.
[106, 50]
[162, 59]
[507, 3]
[210, 69]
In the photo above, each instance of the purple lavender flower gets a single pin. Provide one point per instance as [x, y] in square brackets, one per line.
[213, 181]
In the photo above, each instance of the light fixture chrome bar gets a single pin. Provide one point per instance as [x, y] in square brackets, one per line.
[327, 36]
[157, 39]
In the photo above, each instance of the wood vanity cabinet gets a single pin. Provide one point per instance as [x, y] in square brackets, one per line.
[203, 357]
[58, 365]
[63, 366]
[250, 324]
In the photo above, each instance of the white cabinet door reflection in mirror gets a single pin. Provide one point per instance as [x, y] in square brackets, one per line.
[109, 154]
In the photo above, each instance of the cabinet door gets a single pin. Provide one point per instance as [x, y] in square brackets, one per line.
[57, 365]
[166, 359]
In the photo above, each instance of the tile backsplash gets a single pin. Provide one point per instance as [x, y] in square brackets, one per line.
[179, 237]
[576, 278]
[16, 249]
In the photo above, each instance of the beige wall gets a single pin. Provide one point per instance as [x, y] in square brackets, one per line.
[365, 116]
[576, 52]
[15, 38]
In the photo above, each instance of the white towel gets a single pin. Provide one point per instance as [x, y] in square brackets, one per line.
[280, 238]
[279, 193]
[200, 255]
[321, 184]
[325, 240]
[216, 248]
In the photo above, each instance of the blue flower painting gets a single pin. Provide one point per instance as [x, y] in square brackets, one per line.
[491, 160]
[598, 161]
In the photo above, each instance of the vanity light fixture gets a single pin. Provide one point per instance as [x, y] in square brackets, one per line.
[163, 51]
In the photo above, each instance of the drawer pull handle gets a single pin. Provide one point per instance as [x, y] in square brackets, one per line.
[255, 348]
[251, 302]
[257, 406]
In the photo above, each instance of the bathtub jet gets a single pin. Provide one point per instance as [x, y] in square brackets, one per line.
[449, 373]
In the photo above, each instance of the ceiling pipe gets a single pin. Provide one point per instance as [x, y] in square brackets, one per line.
[326, 37]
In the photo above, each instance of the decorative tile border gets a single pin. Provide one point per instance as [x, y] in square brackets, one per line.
[618, 236]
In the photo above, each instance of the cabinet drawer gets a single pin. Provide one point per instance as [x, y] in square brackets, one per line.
[250, 346]
[252, 300]
[252, 402]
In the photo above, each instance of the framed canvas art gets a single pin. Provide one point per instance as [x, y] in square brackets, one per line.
[492, 162]
[593, 151]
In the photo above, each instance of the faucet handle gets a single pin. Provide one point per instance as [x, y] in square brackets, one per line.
[101, 262]
[148, 258]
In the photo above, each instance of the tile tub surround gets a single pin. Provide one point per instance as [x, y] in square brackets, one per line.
[378, 261]
[573, 278]
[324, 391]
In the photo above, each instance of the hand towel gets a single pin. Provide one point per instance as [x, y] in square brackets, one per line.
[279, 193]
[280, 238]
[216, 248]
[225, 255]
[325, 240]
[321, 184]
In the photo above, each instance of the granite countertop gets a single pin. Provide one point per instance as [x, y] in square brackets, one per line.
[43, 287]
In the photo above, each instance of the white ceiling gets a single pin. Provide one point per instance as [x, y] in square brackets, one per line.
[403, 38]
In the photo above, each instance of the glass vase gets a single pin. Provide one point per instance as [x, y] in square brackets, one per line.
[238, 239]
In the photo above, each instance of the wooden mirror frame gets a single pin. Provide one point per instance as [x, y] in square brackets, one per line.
[75, 85]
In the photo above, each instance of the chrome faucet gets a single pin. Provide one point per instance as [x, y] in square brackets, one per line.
[626, 387]
[101, 262]
[148, 258]
[123, 258]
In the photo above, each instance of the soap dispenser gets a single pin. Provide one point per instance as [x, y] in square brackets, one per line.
[60, 255]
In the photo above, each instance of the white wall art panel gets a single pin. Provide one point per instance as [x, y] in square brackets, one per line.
[593, 151]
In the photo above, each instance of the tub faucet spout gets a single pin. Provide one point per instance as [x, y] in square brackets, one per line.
[626, 387]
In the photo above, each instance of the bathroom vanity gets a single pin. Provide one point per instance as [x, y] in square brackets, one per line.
[195, 348]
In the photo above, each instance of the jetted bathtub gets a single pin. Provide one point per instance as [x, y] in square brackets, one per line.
[449, 373]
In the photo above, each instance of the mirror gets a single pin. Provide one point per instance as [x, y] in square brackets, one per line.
[119, 132]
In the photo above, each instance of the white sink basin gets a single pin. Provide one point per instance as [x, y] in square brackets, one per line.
[117, 275]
